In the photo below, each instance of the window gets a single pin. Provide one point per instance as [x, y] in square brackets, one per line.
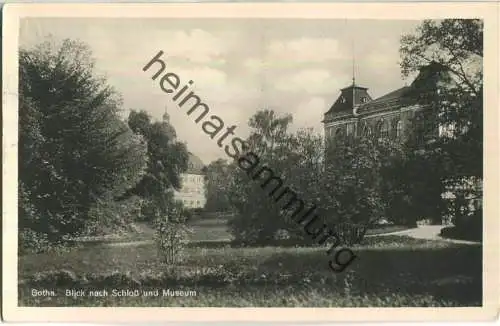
[364, 99]
[342, 99]
[350, 129]
[367, 132]
[378, 128]
[385, 128]
[399, 128]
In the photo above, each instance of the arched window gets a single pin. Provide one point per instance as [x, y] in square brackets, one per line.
[340, 135]
[378, 128]
[367, 132]
[385, 128]
[350, 129]
[399, 128]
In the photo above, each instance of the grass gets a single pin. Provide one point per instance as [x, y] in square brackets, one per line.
[210, 230]
[214, 229]
[207, 229]
[389, 271]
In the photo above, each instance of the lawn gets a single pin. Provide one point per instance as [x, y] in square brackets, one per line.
[389, 271]
[204, 229]
[214, 229]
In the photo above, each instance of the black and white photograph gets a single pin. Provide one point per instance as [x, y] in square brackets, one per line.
[250, 162]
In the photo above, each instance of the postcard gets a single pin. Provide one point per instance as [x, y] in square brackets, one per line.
[299, 162]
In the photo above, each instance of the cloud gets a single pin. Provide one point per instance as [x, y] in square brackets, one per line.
[309, 112]
[204, 77]
[254, 65]
[311, 81]
[196, 45]
[307, 50]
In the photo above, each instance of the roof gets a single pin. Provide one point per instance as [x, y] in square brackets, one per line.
[388, 101]
[195, 164]
[427, 79]
[344, 102]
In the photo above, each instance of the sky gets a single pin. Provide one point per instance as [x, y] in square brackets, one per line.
[237, 66]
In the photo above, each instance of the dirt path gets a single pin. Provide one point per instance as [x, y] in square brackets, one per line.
[427, 232]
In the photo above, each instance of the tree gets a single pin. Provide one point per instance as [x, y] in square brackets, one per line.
[293, 159]
[352, 182]
[455, 44]
[454, 47]
[75, 152]
[452, 91]
[218, 176]
[167, 159]
[257, 219]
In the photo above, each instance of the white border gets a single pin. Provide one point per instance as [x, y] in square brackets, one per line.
[487, 11]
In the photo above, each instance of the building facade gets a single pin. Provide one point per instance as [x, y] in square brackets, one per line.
[355, 112]
[192, 192]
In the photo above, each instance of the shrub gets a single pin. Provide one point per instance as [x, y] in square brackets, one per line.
[470, 228]
[32, 242]
[350, 234]
[64, 278]
[109, 216]
[171, 235]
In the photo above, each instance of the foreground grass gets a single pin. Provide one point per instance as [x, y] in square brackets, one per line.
[389, 271]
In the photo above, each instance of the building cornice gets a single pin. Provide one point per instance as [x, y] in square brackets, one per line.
[341, 122]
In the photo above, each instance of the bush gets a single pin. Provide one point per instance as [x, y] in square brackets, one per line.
[109, 216]
[470, 228]
[32, 242]
[350, 234]
[171, 235]
[61, 278]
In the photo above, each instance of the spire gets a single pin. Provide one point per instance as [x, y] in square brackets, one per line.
[353, 64]
[353, 79]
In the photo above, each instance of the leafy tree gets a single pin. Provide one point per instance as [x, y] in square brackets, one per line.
[294, 158]
[454, 50]
[257, 217]
[352, 182]
[218, 175]
[452, 91]
[74, 149]
[167, 159]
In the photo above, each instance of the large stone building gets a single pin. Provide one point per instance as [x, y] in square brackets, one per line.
[192, 193]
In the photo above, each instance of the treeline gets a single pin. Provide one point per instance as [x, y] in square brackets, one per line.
[82, 168]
